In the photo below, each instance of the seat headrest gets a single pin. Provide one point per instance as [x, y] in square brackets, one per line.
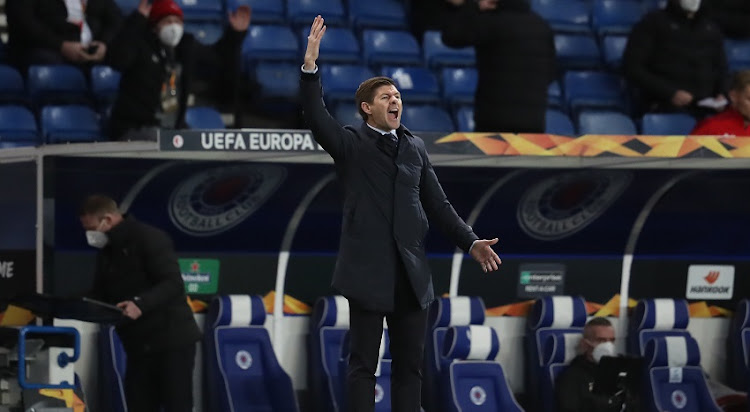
[238, 310]
[558, 312]
[473, 342]
[672, 351]
[332, 311]
[457, 311]
[661, 314]
[561, 347]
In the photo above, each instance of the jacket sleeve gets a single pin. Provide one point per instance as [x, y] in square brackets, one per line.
[163, 271]
[226, 50]
[721, 71]
[439, 210]
[464, 28]
[122, 52]
[635, 62]
[111, 19]
[24, 24]
[335, 139]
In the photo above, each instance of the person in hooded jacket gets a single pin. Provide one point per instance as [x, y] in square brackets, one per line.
[675, 59]
[515, 61]
[158, 60]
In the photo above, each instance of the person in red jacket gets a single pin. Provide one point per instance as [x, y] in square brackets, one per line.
[735, 120]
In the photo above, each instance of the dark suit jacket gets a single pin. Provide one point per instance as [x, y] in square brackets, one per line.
[390, 192]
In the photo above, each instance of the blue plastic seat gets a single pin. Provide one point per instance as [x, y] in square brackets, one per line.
[577, 52]
[464, 116]
[667, 124]
[656, 318]
[57, 84]
[17, 124]
[329, 324]
[270, 43]
[590, 89]
[416, 84]
[112, 368]
[278, 80]
[381, 14]
[382, 47]
[12, 89]
[558, 123]
[264, 11]
[16, 145]
[427, 119]
[613, 47]
[738, 54]
[105, 83]
[302, 12]
[615, 16]
[207, 33]
[71, 123]
[559, 350]
[202, 10]
[605, 123]
[437, 54]
[340, 82]
[347, 114]
[564, 16]
[738, 359]
[554, 95]
[203, 118]
[339, 45]
[127, 6]
[459, 85]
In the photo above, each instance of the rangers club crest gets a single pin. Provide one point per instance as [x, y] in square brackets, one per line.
[478, 395]
[243, 359]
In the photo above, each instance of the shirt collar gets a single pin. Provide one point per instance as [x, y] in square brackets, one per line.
[393, 131]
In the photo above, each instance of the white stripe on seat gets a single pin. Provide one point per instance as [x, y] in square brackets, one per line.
[342, 312]
[460, 311]
[241, 310]
[572, 340]
[677, 355]
[664, 316]
[562, 311]
[480, 342]
[381, 351]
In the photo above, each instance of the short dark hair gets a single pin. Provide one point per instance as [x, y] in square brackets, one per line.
[366, 91]
[597, 321]
[97, 205]
[740, 80]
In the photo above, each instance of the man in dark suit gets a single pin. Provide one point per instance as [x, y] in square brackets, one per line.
[390, 192]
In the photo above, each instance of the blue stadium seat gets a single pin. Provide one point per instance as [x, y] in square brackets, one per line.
[464, 116]
[264, 11]
[16, 145]
[302, 12]
[57, 84]
[340, 82]
[564, 16]
[577, 51]
[459, 85]
[559, 351]
[347, 114]
[589, 89]
[416, 84]
[667, 124]
[105, 83]
[339, 45]
[112, 366]
[17, 124]
[329, 324]
[558, 123]
[550, 316]
[738, 359]
[390, 47]
[12, 89]
[206, 33]
[738, 54]
[656, 318]
[443, 314]
[270, 43]
[278, 80]
[605, 122]
[437, 54]
[71, 123]
[472, 380]
[127, 6]
[203, 118]
[242, 372]
[554, 95]
[616, 16]
[427, 119]
[675, 380]
[613, 47]
[202, 10]
[381, 14]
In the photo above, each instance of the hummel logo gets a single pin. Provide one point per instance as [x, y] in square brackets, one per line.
[712, 277]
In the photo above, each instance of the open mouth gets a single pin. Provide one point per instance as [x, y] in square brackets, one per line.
[393, 114]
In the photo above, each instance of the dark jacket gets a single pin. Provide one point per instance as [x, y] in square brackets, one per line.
[390, 192]
[139, 264]
[732, 16]
[516, 63]
[43, 24]
[573, 389]
[667, 52]
[139, 55]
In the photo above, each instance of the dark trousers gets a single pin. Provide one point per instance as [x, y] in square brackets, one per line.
[161, 380]
[406, 330]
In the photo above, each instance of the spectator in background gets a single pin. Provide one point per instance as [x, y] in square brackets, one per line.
[675, 58]
[158, 60]
[515, 59]
[60, 31]
[425, 15]
[732, 16]
[735, 120]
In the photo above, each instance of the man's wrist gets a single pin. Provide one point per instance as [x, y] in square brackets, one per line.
[312, 70]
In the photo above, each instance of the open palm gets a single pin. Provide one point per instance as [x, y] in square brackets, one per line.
[317, 30]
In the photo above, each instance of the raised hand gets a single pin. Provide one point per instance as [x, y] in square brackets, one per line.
[317, 31]
[240, 18]
[482, 252]
[144, 8]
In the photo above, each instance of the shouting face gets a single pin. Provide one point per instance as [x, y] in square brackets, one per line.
[384, 112]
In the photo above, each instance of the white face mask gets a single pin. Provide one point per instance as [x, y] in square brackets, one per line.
[603, 349]
[171, 34]
[690, 5]
[96, 238]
